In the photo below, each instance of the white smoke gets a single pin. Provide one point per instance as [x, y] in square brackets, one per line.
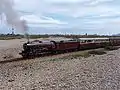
[12, 18]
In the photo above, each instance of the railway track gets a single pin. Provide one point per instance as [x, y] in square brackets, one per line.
[46, 56]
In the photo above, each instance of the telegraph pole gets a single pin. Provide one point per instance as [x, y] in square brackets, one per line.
[13, 31]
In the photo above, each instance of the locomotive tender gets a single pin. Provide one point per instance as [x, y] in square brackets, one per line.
[37, 48]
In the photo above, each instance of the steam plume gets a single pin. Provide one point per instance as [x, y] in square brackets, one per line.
[12, 18]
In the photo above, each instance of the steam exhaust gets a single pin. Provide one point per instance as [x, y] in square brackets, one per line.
[12, 17]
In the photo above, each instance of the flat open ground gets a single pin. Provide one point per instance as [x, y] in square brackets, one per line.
[57, 72]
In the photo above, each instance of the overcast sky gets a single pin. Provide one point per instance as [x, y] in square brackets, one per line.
[69, 16]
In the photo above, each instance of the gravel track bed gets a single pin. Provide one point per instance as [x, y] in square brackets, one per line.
[93, 73]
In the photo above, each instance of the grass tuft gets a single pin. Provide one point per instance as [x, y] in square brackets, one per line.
[97, 52]
[81, 54]
[110, 48]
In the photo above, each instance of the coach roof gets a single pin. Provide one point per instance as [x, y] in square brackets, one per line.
[94, 38]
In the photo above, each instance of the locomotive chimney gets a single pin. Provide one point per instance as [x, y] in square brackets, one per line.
[27, 36]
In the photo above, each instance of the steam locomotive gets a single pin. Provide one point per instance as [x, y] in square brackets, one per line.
[37, 47]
